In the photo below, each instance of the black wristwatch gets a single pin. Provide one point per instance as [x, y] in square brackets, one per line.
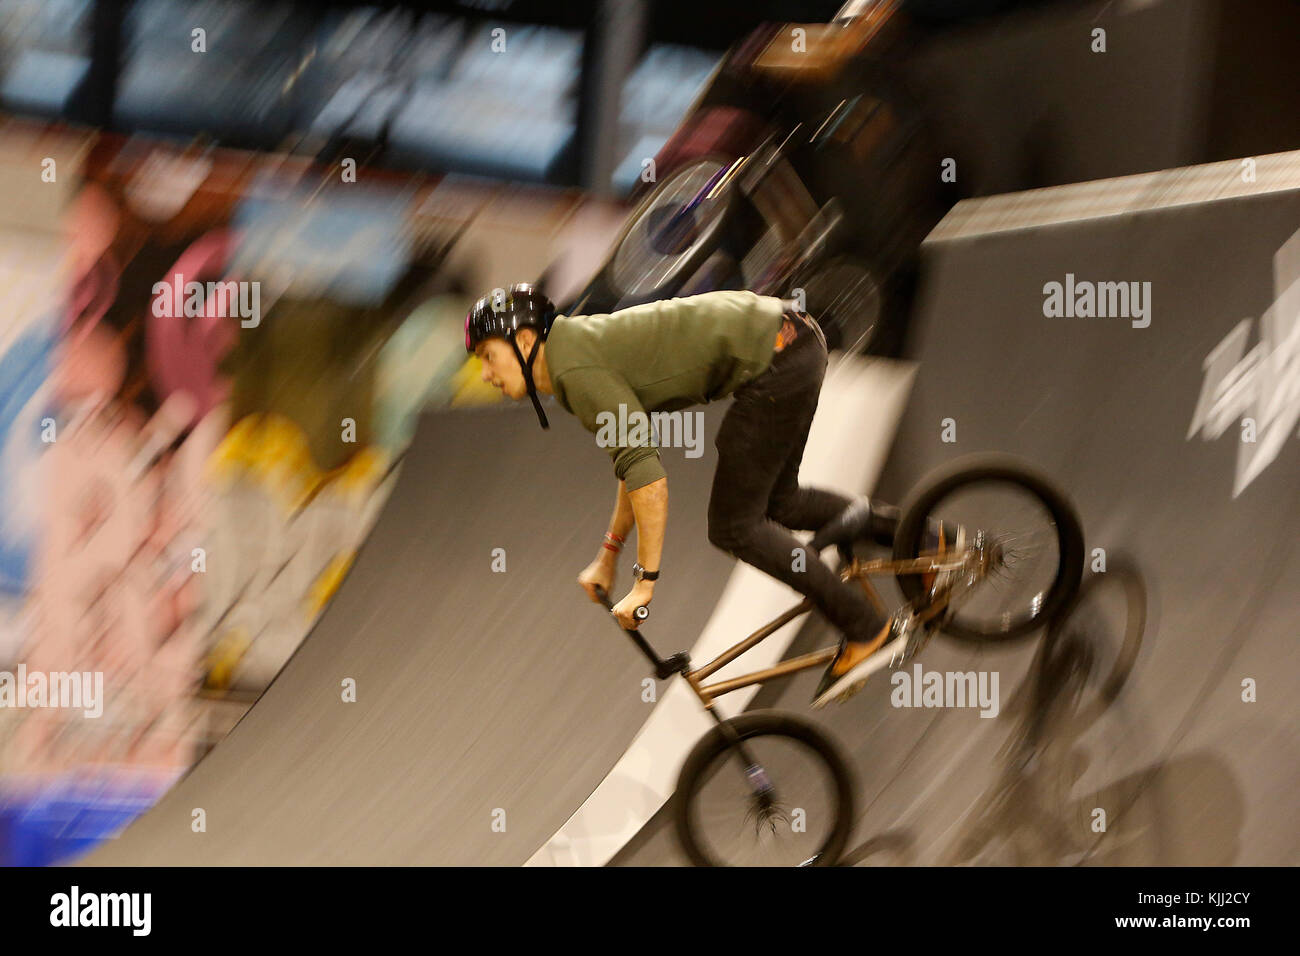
[641, 574]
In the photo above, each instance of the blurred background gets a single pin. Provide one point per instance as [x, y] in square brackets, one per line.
[181, 496]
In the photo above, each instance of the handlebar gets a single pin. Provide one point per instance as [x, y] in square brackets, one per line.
[679, 663]
[641, 614]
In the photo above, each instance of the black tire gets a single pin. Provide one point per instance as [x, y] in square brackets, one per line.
[700, 250]
[972, 470]
[716, 743]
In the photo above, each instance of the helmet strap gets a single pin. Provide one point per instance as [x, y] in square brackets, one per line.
[527, 366]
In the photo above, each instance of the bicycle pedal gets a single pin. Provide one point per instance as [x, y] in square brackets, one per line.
[902, 657]
[917, 636]
[842, 696]
[851, 691]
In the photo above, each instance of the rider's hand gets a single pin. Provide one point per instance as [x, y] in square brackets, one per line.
[598, 574]
[624, 610]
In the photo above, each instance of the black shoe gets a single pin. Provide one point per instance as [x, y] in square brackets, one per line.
[848, 526]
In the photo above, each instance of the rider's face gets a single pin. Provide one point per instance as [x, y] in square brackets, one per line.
[501, 367]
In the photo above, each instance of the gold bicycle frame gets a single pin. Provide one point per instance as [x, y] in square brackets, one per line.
[858, 571]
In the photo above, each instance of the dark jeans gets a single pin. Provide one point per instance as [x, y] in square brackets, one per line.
[757, 501]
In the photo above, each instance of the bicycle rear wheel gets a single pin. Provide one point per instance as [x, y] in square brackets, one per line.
[1034, 540]
[791, 806]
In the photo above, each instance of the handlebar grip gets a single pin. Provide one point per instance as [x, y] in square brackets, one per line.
[642, 613]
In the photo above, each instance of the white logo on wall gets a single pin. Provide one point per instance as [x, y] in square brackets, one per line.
[1262, 385]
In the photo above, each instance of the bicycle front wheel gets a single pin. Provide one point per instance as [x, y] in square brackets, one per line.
[764, 789]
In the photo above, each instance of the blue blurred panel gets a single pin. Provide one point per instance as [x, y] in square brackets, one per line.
[361, 106]
[41, 81]
[23, 370]
[238, 99]
[538, 63]
[628, 173]
[349, 248]
[508, 114]
[463, 129]
[44, 53]
[656, 97]
[364, 61]
[663, 86]
[237, 89]
[64, 819]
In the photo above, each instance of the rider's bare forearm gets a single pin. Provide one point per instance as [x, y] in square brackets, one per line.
[621, 522]
[650, 507]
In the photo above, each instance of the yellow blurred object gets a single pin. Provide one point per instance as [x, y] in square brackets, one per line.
[231, 458]
[271, 450]
[364, 470]
[223, 660]
[283, 461]
[470, 389]
[327, 582]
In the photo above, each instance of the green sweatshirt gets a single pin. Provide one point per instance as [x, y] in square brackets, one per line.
[658, 357]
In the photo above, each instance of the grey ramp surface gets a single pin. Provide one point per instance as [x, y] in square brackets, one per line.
[481, 696]
[1185, 770]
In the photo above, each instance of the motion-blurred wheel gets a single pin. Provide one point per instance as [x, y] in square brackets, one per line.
[674, 230]
[766, 789]
[844, 295]
[1033, 537]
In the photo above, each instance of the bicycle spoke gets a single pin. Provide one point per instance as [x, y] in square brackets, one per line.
[742, 829]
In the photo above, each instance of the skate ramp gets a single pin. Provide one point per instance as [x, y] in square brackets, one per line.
[489, 703]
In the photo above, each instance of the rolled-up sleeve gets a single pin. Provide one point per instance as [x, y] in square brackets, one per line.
[590, 391]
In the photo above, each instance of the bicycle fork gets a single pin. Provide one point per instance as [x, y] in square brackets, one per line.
[756, 777]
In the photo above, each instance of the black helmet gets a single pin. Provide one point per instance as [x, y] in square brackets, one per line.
[504, 312]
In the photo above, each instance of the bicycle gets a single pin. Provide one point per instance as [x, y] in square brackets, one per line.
[786, 218]
[959, 590]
